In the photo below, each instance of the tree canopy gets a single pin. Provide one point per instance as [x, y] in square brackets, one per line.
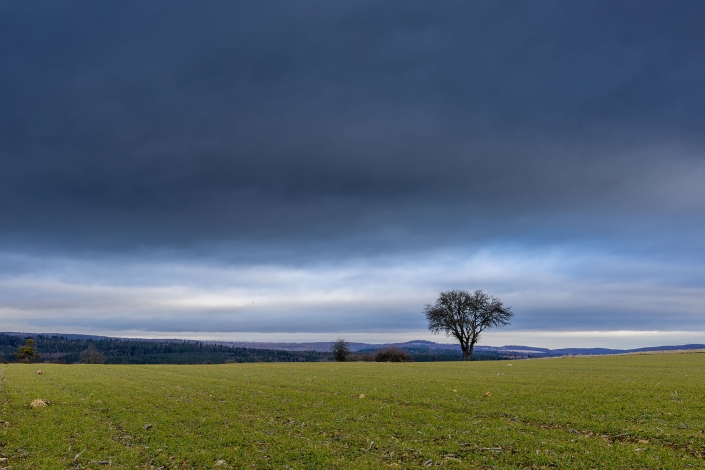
[465, 316]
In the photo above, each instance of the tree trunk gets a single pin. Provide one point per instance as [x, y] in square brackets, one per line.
[471, 346]
[467, 353]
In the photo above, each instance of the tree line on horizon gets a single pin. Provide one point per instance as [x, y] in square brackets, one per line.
[61, 350]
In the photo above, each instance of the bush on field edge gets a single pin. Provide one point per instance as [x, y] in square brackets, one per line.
[391, 354]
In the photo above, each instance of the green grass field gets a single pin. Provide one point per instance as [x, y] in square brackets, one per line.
[645, 411]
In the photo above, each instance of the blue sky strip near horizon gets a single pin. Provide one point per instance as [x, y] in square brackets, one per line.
[308, 170]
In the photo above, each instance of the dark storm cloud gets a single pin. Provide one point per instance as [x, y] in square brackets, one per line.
[317, 167]
[138, 124]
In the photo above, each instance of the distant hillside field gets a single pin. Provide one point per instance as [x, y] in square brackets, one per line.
[638, 411]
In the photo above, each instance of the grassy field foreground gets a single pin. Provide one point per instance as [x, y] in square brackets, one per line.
[643, 411]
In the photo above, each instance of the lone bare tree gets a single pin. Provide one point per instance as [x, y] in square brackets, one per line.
[340, 350]
[464, 316]
[91, 356]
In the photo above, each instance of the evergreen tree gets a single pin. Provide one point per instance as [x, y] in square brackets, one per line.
[26, 353]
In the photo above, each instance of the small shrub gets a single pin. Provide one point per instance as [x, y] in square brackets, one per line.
[392, 354]
[340, 350]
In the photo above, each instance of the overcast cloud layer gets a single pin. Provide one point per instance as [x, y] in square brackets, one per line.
[306, 169]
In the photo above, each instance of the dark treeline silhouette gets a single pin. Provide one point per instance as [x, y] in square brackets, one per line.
[118, 351]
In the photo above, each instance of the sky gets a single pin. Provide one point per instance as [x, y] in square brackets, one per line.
[303, 171]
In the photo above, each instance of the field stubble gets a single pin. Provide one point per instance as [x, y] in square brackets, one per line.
[591, 412]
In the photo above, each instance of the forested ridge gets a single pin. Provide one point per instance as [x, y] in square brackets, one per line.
[59, 349]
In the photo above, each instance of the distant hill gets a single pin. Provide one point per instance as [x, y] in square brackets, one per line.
[326, 345]
[423, 344]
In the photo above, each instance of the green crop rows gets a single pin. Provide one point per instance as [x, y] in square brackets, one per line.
[642, 411]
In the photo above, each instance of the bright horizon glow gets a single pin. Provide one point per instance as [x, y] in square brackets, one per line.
[378, 300]
[372, 301]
